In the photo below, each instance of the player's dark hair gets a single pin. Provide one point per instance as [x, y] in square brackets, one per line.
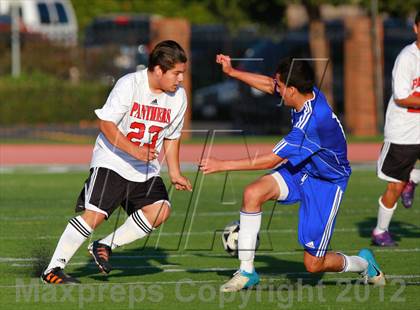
[297, 73]
[166, 54]
[417, 19]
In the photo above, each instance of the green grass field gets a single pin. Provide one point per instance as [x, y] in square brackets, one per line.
[182, 264]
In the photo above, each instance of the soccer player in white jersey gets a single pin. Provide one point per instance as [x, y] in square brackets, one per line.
[401, 148]
[143, 113]
[308, 166]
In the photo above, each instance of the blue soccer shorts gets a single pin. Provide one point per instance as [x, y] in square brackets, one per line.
[319, 204]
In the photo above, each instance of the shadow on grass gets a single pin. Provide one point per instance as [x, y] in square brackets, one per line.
[147, 261]
[133, 262]
[274, 269]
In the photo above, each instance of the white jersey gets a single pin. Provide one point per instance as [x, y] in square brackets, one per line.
[145, 118]
[402, 125]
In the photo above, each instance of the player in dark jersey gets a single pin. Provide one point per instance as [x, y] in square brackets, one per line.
[309, 166]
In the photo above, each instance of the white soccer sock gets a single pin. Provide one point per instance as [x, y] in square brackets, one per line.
[354, 264]
[249, 227]
[384, 217]
[415, 176]
[76, 232]
[135, 227]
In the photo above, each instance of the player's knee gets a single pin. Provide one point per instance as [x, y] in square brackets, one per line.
[162, 215]
[395, 189]
[166, 212]
[313, 267]
[92, 218]
[157, 213]
[251, 198]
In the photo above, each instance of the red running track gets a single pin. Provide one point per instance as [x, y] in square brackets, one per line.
[37, 154]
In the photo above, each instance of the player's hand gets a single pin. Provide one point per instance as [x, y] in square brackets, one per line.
[146, 153]
[181, 183]
[211, 165]
[224, 60]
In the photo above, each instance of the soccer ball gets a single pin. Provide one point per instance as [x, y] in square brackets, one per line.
[230, 238]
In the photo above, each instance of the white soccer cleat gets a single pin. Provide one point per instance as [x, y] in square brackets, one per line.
[377, 280]
[373, 274]
[240, 280]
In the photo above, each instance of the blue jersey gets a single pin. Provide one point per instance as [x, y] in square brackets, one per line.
[316, 145]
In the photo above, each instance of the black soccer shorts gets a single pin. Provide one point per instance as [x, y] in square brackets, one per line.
[397, 160]
[105, 190]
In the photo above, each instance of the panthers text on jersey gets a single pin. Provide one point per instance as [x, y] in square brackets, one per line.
[144, 118]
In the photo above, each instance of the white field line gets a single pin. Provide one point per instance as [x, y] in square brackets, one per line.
[278, 211]
[265, 278]
[217, 232]
[91, 265]
[187, 281]
[128, 257]
[163, 268]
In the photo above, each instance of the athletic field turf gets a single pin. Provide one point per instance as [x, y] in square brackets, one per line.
[182, 264]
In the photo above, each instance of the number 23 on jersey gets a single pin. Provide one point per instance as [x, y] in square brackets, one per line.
[149, 135]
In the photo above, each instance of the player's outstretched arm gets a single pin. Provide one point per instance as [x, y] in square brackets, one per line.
[262, 82]
[411, 101]
[171, 148]
[262, 162]
[115, 136]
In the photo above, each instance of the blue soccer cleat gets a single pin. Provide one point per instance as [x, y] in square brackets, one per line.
[240, 280]
[373, 274]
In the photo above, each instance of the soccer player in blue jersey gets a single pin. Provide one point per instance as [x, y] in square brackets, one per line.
[309, 166]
